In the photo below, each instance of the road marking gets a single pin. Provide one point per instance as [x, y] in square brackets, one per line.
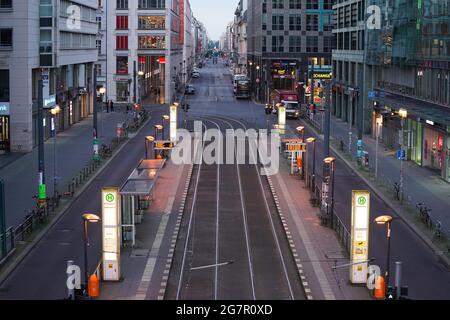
[151, 262]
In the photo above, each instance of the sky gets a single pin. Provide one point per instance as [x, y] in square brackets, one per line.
[215, 14]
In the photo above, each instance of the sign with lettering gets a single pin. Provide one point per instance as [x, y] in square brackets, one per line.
[360, 237]
[111, 227]
[4, 109]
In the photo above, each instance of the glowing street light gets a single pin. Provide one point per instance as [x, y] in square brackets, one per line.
[313, 182]
[387, 221]
[88, 218]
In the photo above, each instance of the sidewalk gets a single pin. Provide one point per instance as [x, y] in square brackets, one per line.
[420, 184]
[74, 150]
[318, 247]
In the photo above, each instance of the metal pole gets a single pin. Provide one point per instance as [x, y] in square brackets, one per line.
[41, 155]
[401, 162]
[55, 170]
[388, 254]
[314, 168]
[2, 219]
[326, 145]
[95, 131]
[86, 272]
[312, 84]
[377, 132]
[398, 278]
[134, 82]
[332, 191]
[361, 103]
[146, 149]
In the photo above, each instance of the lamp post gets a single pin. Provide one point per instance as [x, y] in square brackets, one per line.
[87, 219]
[102, 93]
[148, 140]
[55, 111]
[141, 75]
[164, 119]
[331, 162]
[403, 115]
[301, 132]
[313, 178]
[387, 221]
[379, 121]
[258, 82]
[158, 127]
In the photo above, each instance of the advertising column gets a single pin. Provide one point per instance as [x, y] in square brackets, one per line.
[111, 234]
[360, 237]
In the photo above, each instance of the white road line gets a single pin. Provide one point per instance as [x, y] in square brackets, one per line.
[151, 262]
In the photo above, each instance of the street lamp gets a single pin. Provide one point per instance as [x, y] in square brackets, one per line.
[301, 130]
[386, 220]
[330, 162]
[148, 140]
[403, 115]
[164, 119]
[141, 75]
[313, 179]
[87, 219]
[158, 127]
[55, 112]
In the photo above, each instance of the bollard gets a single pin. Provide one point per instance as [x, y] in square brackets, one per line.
[398, 279]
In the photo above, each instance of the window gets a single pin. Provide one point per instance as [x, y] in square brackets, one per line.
[6, 38]
[277, 4]
[152, 42]
[122, 92]
[122, 22]
[278, 44]
[152, 4]
[98, 44]
[122, 42]
[5, 4]
[295, 4]
[4, 85]
[312, 4]
[152, 22]
[122, 4]
[327, 4]
[122, 65]
[312, 44]
[295, 22]
[295, 44]
[312, 22]
[277, 22]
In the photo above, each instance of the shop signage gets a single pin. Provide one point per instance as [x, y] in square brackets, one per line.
[50, 101]
[111, 227]
[4, 108]
[360, 237]
[323, 75]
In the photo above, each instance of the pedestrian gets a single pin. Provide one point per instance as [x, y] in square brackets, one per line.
[112, 106]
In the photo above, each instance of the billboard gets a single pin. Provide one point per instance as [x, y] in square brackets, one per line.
[111, 227]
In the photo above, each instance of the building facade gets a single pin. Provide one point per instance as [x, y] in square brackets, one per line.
[50, 40]
[238, 39]
[284, 39]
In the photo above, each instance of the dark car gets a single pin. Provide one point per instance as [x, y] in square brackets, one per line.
[190, 89]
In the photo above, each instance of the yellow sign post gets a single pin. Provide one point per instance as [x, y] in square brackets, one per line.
[111, 225]
[360, 237]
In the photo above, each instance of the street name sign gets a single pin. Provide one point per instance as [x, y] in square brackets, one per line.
[111, 230]
[360, 237]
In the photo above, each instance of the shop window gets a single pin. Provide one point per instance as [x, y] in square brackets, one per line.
[4, 85]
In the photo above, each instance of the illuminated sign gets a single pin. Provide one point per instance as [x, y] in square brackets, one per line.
[323, 75]
[163, 145]
[111, 226]
[295, 147]
[50, 102]
[4, 109]
[173, 123]
[360, 237]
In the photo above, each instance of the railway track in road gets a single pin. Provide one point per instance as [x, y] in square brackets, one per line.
[230, 246]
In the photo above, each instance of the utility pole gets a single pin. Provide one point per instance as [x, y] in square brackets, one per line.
[2, 220]
[327, 130]
[134, 82]
[360, 113]
[42, 191]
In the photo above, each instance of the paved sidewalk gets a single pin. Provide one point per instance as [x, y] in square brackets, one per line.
[318, 247]
[420, 184]
[74, 150]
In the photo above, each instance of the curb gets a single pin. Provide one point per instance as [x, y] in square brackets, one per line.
[19, 258]
[292, 246]
[440, 255]
[169, 262]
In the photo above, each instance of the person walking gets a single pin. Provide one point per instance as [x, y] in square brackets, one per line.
[112, 106]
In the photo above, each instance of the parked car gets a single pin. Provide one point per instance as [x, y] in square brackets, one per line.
[195, 74]
[190, 89]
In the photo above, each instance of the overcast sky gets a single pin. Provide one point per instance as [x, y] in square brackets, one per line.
[215, 14]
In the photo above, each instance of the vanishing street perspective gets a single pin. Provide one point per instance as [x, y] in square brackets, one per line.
[245, 150]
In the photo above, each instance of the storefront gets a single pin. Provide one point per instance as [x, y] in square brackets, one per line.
[447, 155]
[4, 128]
[434, 155]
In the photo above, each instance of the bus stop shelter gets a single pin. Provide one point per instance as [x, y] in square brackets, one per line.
[136, 196]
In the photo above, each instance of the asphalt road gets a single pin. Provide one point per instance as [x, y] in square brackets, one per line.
[230, 218]
[42, 274]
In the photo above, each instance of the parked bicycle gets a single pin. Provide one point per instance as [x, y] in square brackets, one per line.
[425, 214]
